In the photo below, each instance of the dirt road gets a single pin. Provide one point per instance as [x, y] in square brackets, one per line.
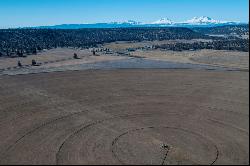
[125, 117]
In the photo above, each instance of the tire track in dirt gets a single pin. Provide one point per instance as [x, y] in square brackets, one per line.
[165, 156]
[39, 127]
[83, 127]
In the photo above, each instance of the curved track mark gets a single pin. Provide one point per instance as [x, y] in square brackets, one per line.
[152, 127]
[84, 126]
[229, 125]
[37, 128]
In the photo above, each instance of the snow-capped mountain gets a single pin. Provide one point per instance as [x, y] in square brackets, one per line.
[203, 20]
[131, 22]
[163, 21]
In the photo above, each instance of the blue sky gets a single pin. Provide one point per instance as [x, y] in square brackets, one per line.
[20, 13]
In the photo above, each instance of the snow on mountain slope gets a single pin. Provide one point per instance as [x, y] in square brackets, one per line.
[131, 22]
[163, 21]
[203, 20]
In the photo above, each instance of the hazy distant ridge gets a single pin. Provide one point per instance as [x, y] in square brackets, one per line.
[164, 22]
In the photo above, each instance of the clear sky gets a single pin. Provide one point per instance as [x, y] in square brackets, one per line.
[23, 13]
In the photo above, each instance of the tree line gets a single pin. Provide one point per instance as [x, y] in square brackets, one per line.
[236, 44]
[242, 29]
[20, 42]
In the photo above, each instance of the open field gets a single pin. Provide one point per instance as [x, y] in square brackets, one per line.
[129, 116]
[235, 59]
[63, 57]
[56, 57]
[125, 117]
[123, 45]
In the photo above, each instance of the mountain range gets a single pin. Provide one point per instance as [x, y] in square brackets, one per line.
[164, 22]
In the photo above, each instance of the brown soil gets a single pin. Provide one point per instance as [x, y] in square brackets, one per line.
[57, 57]
[225, 58]
[125, 117]
[231, 59]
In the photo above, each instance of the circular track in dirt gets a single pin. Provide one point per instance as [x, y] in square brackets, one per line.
[163, 145]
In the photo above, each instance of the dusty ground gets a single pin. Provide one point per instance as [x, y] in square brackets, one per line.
[63, 57]
[223, 58]
[234, 59]
[57, 57]
[131, 116]
[125, 117]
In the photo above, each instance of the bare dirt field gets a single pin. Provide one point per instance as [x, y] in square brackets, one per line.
[235, 59]
[57, 57]
[232, 59]
[61, 59]
[125, 117]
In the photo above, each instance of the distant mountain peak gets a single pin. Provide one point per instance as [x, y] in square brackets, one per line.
[202, 20]
[131, 22]
[163, 21]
